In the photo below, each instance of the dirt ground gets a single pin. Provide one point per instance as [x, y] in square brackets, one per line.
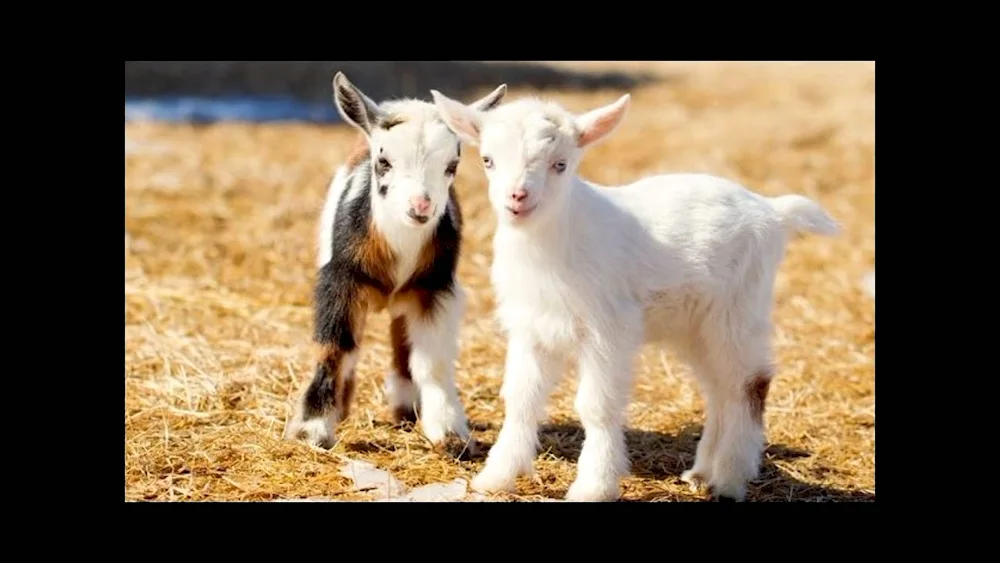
[220, 226]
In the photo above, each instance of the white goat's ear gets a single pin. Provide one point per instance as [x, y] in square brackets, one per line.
[465, 121]
[597, 124]
[491, 100]
[354, 106]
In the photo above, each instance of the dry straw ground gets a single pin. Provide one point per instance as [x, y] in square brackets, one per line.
[219, 262]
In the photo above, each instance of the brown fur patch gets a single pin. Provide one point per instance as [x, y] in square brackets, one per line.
[756, 392]
[400, 340]
[328, 354]
[370, 300]
[402, 413]
[416, 301]
[359, 152]
[331, 357]
[345, 394]
[377, 259]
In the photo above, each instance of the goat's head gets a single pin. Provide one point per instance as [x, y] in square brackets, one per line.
[414, 155]
[531, 150]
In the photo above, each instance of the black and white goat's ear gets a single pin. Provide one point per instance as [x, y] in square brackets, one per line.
[354, 106]
[465, 121]
[491, 100]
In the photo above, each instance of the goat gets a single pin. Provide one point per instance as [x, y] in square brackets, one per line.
[389, 239]
[595, 272]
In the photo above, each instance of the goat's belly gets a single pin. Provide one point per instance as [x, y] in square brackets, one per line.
[669, 315]
[552, 328]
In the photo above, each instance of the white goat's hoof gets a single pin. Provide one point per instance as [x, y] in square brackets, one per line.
[728, 492]
[316, 432]
[593, 491]
[492, 482]
[695, 478]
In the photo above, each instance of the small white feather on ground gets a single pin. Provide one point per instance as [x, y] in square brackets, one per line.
[367, 477]
[435, 492]
[386, 488]
[869, 283]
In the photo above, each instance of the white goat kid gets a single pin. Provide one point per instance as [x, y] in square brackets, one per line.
[390, 236]
[592, 272]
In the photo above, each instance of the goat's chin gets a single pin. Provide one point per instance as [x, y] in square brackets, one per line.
[417, 224]
[518, 218]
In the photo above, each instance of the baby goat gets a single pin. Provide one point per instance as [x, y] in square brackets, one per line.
[389, 238]
[593, 272]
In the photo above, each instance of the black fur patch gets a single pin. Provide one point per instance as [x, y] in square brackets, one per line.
[338, 279]
[389, 122]
[350, 227]
[320, 397]
[382, 166]
[336, 292]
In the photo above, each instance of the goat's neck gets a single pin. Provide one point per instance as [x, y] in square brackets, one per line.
[402, 238]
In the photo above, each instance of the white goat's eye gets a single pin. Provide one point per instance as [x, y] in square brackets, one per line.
[487, 162]
[559, 166]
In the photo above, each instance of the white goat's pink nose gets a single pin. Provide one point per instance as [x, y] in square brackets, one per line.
[420, 204]
[519, 195]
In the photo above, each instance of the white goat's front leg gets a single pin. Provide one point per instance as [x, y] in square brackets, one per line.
[601, 402]
[530, 374]
[434, 349]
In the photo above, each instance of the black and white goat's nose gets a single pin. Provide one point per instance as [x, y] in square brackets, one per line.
[420, 208]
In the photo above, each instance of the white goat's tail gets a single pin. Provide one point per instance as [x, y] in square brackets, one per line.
[800, 214]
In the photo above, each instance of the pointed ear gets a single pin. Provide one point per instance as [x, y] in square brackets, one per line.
[491, 100]
[354, 106]
[463, 120]
[597, 124]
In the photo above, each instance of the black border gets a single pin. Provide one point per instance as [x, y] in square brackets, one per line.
[161, 37]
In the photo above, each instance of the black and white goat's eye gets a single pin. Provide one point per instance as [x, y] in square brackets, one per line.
[452, 169]
[559, 166]
[487, 162]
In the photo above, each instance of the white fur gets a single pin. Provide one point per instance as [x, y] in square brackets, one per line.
[434, 349]
[593, 273]
[401, 392]
[329, 213]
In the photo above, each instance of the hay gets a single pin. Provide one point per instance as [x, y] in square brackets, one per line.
[219, 263]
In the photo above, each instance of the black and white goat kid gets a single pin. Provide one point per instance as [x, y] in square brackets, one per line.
[389, 238]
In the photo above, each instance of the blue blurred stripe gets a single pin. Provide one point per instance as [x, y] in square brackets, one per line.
[258, 109]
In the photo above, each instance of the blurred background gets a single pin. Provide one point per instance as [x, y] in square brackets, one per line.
[226, 167]
[205, 91]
